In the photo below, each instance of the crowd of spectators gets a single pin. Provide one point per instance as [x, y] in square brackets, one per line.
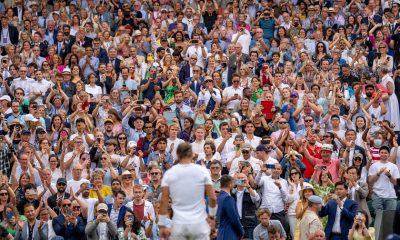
[199, 119]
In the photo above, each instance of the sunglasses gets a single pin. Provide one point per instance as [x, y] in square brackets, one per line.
[154, 173]
[308, 120]
[127, 177]
[76, 208]
[67, 205]
[122, 138]
[3, 194]
[61, 184]
[282, 122]
[294, 173]
[356, 159]
[245, 152]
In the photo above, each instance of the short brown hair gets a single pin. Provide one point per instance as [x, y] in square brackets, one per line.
[184, 150]
[262, 211]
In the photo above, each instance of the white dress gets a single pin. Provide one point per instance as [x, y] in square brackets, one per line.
[392, 104]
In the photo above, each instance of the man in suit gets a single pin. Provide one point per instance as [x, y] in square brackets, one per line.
[19, 10]
[9, 34]
[67, 225]
[102, 221]
[99, 52]
[358, 190]
[62, 48]
[197, 80]
[352, 149]
[247, 200]
[230, 227]
[341, 212]
[112, 58]
[236, 59]
[117, 211]
[38, 41]
[55, 200]
[186, 71]
[25, 231]
[105, 82]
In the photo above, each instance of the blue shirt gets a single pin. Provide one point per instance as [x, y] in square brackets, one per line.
[183, 109]
[94, 61]
[268, 26]
[155, 155]
[130, 84]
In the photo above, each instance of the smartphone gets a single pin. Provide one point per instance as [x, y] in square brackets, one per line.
[63, 134]
[90, 185]
[154, 75]
[124, 85]
[270, 166]
[266, 141]
[238, 182]
[9, 216]
[230, 130]
[85, 104]
[140, 102]
[70, 212]
[99, 140]
[195, 41]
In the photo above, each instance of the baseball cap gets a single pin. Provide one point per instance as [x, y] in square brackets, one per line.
[30, 117]
[315, 199]
[61, 180]
[246, 146]
[326, 147]
[261, 148]
[26, 132]
[294, 94]
[102, 206]
[112, 141]
[5, 97]
[108, 120]
[131, 144]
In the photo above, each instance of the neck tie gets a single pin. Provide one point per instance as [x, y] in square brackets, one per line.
[44, 23]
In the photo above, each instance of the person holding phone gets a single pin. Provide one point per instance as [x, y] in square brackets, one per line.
[66, 224]
[196, 47]
[101, 226]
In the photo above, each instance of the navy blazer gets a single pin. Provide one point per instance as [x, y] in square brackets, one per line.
[230, 227]
[117, 64]
[13, 34]
[71, 231]
[121, 214]
[349, 211]
[184, 74]
[196, 87]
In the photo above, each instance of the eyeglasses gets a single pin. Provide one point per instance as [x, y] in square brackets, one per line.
[127, 177]
[235, 81]
[3, 194]
[308, 120]
[282, 122]
[216, 167]
[196, 70]
[122, 138]
[67, 205]
[245, 152]
[355, 159]
[61, 184]
[207, 81]
[327, 136]
[76, 208]
[294, 173]
[154, 173]
[148, 127]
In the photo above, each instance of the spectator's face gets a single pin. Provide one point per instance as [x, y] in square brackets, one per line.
[326, 155]
[274, 236]
[30, 212]
[66, 205]
[282, 123]
[215, 169]
[125, 74]
[264, 219]
[246, 153]
[116, 186]
[155, 175]
[341, 191]
[352, 174]
[161, 145]
[249, 128]
[200, 134]
[119, 200]
[178, 98]
[138, 194]
[384, 154]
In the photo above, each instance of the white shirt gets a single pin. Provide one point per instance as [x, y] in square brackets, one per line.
[24, 84]
[91, 136]
[75, 184]
[255, 141]
[186, 183]
[198, 147]
[96, 91]
[68, 171]
[383, 188]
[254, 162]
[230, 92]
[42, 87]
[239, 202]
[273, 198]
[176, 142]
[336, 225]
[91, 202]
[244, 40]
[197, 50]
[134, 162]
[206, 96]
[229, 147]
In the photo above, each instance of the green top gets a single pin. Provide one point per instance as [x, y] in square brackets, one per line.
[254, 97]
[169, 94]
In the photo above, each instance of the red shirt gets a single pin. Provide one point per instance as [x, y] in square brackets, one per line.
[309, 168]
[139, 211]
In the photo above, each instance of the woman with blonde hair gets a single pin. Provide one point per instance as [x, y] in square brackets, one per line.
[98, 185]
[245, 76]
[244, 111]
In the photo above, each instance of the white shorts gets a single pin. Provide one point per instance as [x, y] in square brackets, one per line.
[198, 231]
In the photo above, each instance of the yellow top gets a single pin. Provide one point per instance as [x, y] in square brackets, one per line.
[358, 236]
[104, 192]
